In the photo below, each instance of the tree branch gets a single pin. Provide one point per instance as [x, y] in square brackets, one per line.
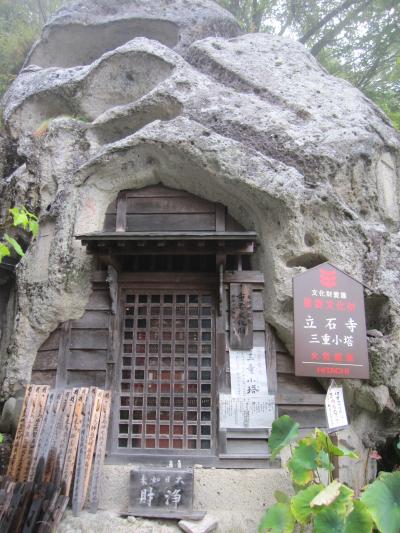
[329, 16]
[330, 36]
[41, 10]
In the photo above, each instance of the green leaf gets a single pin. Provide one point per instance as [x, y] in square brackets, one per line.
[343, 504]
[277, 519]
[327, 521]
[1, 438]
[303, 463]
[4, 251]
[20, 218]
[282, 497]
[12, 242]
[323, 461]
[328, 495]
[382, 499]
[33, 227]
[325, 443]
[359, 520]
[301, 503]
[284, 431]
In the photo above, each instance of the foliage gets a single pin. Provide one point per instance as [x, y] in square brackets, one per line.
[20, 25]
[332, 507]
[357, 40]
[17, 217]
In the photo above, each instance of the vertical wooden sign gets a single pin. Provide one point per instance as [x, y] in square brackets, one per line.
[86, 448]
[241, 316]
[33, 430]
[72, 447]
[99, 452]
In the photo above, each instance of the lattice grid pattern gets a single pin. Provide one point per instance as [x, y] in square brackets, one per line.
[166, 372]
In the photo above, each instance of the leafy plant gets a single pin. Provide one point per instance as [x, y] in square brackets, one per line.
[17, 217]
[332, 507]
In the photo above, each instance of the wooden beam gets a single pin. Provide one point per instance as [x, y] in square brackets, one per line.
[120, 225]
[300, 399]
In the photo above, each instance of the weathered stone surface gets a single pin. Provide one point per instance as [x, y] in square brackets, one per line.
[81, 33]
[205, 525]
[253, 122]
[235, 497]
[106, 521]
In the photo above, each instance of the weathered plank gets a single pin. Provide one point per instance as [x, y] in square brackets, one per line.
[168, 205]
[52, 342]
[82, 378]
[86, 448]
[87, 360]
[241, 317]
[46, 360]
[308, 417]
[82, 339]
[13, 463]
[171, 222]
[99, 452]
[300, 399]
[288, 384]
[72, 447]
[34, 431]
[284, 363]
[92, 319]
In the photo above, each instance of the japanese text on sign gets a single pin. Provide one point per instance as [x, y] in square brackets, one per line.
[248, 373]
[335, 407]
[330, 332]
[246, 413]
[162, 490]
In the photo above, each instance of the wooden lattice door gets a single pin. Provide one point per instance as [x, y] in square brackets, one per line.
[166, 382]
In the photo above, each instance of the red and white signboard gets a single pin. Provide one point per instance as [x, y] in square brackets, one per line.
[329, 324]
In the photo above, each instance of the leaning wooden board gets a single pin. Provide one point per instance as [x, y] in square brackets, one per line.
[60, 435]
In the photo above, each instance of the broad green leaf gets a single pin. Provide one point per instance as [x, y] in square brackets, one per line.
[301, 503]
[282, 497]
[33, 227]
[328, 495]
[20, 218]
[12, 242]
[323, 461]
[303, 463]
[1, 437]
[382, 499]
[325, 443]
[284, 431]
[277, 519]
[359, 520]
[4, 251]
[343, 504]
[328, 521]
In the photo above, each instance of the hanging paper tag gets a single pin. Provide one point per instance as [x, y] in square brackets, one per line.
[335, 407]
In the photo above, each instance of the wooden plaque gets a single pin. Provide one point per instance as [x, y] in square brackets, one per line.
[241, 316]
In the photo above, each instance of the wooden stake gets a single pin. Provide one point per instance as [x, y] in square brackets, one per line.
[100, 452]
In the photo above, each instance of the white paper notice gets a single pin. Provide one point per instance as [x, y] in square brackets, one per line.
[248, 373]
[246, 413]
[335, 407]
